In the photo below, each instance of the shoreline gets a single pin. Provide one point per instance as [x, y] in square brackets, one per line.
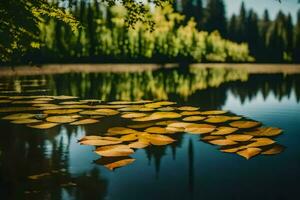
[120, 68]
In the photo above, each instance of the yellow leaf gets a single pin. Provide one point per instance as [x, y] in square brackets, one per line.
[258, 142]
[62, 111]
[44, 125]
[249, 152]
[244, 124]
[193, 118]
[224, 130]
[222, 142]
[61, 119]
[265, 131]
[199, 128]
[114, 150]
[85, 121]
[239, 137]
[158, 130]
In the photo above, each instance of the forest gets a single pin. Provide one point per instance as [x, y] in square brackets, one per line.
[184, 31]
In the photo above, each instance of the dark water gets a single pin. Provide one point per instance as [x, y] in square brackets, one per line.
[187, 169]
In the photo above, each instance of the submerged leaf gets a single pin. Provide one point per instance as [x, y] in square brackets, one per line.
[276, 149]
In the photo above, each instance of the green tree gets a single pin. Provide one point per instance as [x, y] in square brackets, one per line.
[215, 16]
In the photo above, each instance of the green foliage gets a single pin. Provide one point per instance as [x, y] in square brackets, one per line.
[107, 37]
[19, 21]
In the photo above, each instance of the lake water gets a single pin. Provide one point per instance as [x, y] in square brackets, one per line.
[186, 169]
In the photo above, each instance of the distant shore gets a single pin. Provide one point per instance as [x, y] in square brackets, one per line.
[119, 68]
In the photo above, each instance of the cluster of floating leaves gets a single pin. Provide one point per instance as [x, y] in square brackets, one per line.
[150, 123]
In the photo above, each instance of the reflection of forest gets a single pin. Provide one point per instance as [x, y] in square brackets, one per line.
[181, 85]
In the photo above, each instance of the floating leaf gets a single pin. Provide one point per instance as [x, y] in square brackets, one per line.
[143, 125]
[265, 131]
[44, 125]
[25, 121]
[129, 137]
[165, 123]
[232, 149]
[90, 112]
[159, 115]
[239, 137]
[133, 115]
[114, 150]
[249, 152]
[159, 104]
[166, 109]
[199, 128]
[45, 105]
[193, 118]
[130, 102]
[158, 130]
[212, 137]
[217, 119]
[85, 121]
[159, 140]
[17, 109]
[224, 130]
[132, 108]
[64, 97]
[29, 102]
[187, 113]
[72, 103]
[188, 108]
[140, 144]
[120, 131]
[214, 112]
[276, 149]
[222, 142]
[19, 116]
[96, 137]
[99, 142]
[62, 111]
[107, 111]
[244, 124]
[258, 142]
[61, 119]
[115, 162]
[179, 124]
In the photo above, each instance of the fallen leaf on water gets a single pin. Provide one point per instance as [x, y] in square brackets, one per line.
[244, 124]
[193, 118]
[18, 116]
[188, 108]
[249, 152]
[232, 149]
[199, 128]
[224, 130]
[97, 137]
[140, 144]
[44, 125]
[129, 137]
[90, 112]
[265, 131]
[85, 121]
[120, 131]
[222, 142]
[159, 104]
[186, 113]
[61, 119]
[114, 150]
[214, 112]
[62, 111]
[212, 137]
[143, 125]
[165, 123]
[25, 121]
[114, 162]
[239, 137]
[217, 119]
[158, 130]
[99, 142]
[64, 97]
[157, 139]
[258, 142]
[133, 115]
[107, 111]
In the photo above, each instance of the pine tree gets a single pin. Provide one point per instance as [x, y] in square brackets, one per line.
[232, 28]
[296, 53]
[198, 12]
[215, 16]
[241, 24]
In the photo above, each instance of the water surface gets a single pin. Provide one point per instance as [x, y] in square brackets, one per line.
[187, 169]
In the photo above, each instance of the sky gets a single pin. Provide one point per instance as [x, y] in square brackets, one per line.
[287, 6]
